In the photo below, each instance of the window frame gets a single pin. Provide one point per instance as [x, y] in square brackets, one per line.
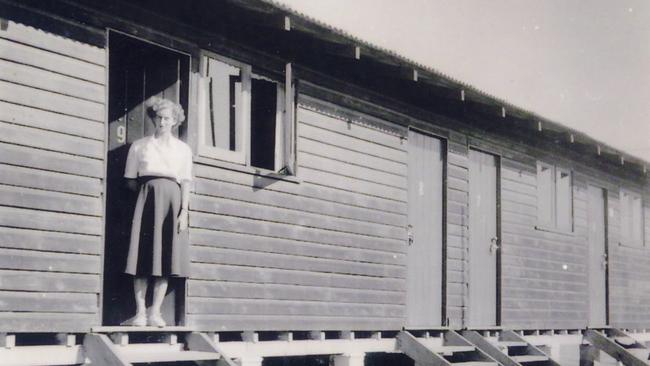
[627, 238]
[284, 163]
[552, 222]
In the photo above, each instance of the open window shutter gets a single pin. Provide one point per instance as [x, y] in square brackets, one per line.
[193, 114]
[545, 198]
[637, 220]
[564, 200]
[289, 155]
[203, 83]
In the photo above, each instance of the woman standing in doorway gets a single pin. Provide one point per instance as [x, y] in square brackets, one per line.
[160, 167]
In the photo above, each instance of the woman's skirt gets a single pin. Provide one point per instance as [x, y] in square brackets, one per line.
[156, 247]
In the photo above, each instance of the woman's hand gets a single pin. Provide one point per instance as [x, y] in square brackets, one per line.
[183, 220]
[132, 184]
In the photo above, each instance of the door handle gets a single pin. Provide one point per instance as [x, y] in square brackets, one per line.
[409, 234]
[494, 245]
[603, 264]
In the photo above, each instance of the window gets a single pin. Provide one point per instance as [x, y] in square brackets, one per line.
[554, 197]
[245, 118]
[631, 219]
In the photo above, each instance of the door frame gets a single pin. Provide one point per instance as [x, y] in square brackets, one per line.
[499, 279]
[444, 149]
[605, 193]
[158, 40]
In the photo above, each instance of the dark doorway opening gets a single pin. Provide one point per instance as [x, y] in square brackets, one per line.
[138, 70]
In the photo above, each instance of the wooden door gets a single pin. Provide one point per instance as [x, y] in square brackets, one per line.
[597, 257]
[483, 238]
[425, 204]
[137, 72]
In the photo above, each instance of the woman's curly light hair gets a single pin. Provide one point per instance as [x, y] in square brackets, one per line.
[155, 104]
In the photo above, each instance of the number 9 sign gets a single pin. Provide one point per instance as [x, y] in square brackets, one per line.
[121, 134]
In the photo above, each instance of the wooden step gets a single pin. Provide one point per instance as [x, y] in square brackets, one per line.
[475, 363]
[529, 358]
[159, 352]
[624, 341]
[511, 344]
[173, 357]
[450, 350]
[642, 353]
[132, 329]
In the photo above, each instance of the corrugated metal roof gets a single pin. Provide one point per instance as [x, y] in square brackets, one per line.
[600, 146]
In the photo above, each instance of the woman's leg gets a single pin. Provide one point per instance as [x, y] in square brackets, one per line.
[140, 291]
[159, 291]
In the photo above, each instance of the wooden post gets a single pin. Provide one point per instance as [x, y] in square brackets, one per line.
[201, 342]
[171, 338]
[251, 361]
[249, 336]
[588, 354]
[7, 340]
[317, 335]
[101, 351]
[354, 359]
[66, 339]
[120, 339]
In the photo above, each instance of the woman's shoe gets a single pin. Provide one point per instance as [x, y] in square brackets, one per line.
[156, 320]
[139, 320]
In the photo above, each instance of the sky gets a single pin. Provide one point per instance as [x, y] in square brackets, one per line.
[582, 63]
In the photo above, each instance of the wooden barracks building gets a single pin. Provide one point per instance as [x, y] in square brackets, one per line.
[347, 202]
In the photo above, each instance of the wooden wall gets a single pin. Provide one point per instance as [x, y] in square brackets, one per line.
[544, 272]
[325, 251]
[52, 95]
[629, 269]
[457, 231]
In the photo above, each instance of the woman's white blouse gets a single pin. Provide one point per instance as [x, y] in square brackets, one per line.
[149, 156]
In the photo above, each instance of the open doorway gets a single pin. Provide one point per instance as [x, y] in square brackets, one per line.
[138, 70]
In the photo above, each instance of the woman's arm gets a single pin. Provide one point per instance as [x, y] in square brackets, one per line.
[185, 203]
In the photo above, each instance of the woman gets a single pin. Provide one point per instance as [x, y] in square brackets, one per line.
[160, 167]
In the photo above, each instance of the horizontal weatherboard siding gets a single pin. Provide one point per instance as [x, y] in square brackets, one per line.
[52, 112]
[273, 254]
